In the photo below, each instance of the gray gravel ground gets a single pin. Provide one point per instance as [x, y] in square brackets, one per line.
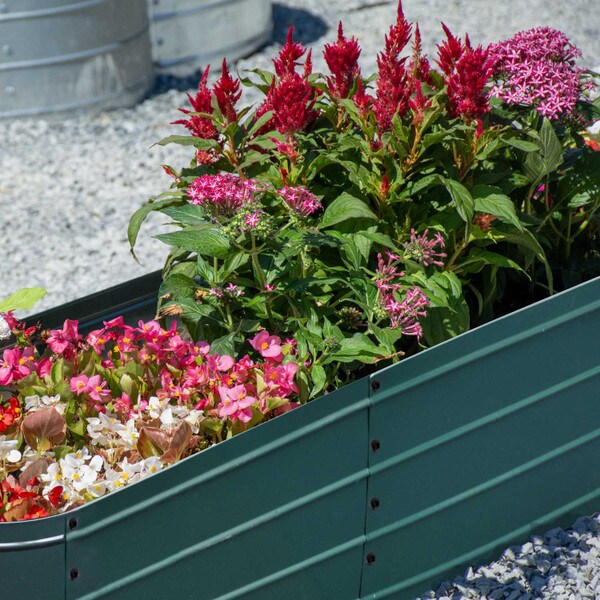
[67, 189]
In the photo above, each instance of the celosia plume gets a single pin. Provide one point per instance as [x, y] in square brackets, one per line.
[393, 85]
[342, 60]
[227, 92]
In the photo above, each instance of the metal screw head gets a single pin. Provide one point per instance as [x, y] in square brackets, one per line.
[370, 558]
[73, 523]
[74, 574]
[375, 385]
[374, 503]
[375, 445]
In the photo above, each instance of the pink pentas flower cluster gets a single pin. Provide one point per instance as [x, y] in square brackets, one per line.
[537, 68]
[467, 71]
[223, 194]
[300, 200]
[425, 250]
[403, 308]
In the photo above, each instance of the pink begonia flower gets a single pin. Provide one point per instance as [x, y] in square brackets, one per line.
[235, 402]
[97, 389]
[268, 346]
[44, 367]
[219, 363]
[79, 384]
[60, 339]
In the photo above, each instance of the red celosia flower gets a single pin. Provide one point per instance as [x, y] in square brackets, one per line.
[385, 186]
[201, 127]
[292, 104]
[484, 221]
[362, 100]
[342, 60]
[291, 98]
[227, 92]
[467, 72]
[393, 89]
[419, 65]
[289, 55]
[449, 51]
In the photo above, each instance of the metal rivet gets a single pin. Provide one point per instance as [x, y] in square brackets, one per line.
[370, 558]
[73, 523]
[7, 49]
[74, 574]
[374, 503]
[160, 41]
[375, 445]
[375, 385]
[10, 89]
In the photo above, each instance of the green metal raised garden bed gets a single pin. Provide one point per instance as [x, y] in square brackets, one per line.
[380, 489]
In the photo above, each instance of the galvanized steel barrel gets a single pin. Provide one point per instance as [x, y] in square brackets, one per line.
[72, 55]
[189, 34]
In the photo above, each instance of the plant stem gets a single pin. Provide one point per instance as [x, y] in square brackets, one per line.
[261, 280]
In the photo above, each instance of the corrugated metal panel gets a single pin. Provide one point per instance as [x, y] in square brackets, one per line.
[190, 34]
[277, 512]
[71, 55]
[32, 559]
[483, 440]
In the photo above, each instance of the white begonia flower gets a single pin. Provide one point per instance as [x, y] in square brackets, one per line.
[194, 419]
[4, 329]
[129, 435]
[8, 450]
[96, 432]
[53, 476]
[97, 489]
[75, 459]
[156, 406]
[166, 418]
[150, 465]
[33, 403]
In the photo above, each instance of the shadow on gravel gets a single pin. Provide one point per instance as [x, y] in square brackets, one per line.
[307, 27]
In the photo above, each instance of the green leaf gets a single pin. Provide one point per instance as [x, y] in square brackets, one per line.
[379, 238]
[463, 201]
[207, 241]
[445, 322]
[186, 214]
[139, 216]
[523, 145]
[22, 299]
[178, 286]
[490, 199]
[343, 208]
[263, 120]
[319, 379]
[223, 345]
[477, 255]
[189, 140]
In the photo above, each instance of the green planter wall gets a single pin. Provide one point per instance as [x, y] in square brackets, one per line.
[380, 489]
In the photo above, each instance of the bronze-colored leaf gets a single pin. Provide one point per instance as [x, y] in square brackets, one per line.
[38, 467]
[180, 438]
[152, 442]
[44, 429]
